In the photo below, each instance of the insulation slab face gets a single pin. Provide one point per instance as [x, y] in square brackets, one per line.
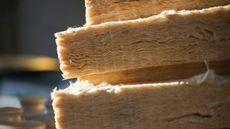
[170, 38]
[201, 102]
[99, 11]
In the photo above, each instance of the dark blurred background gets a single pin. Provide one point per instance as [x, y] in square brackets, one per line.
[28, 26]
[28, 58]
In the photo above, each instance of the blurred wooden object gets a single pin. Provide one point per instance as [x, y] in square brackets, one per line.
[35, 109]
[10, 114]
[23, 125]
[34, 104]
[10, 118]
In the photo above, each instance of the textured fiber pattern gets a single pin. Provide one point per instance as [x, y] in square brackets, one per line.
[173, 105]
[99, 11]
[166, 39]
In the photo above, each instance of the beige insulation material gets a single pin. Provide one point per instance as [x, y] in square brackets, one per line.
[170, 38]
[199, 102]
[99, 11]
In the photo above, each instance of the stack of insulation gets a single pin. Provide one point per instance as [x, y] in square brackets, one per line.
[146, 64]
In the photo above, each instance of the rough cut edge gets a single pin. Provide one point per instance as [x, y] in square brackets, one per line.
[65, 37]
[95, 15]
[84, 87]
[162, 17]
